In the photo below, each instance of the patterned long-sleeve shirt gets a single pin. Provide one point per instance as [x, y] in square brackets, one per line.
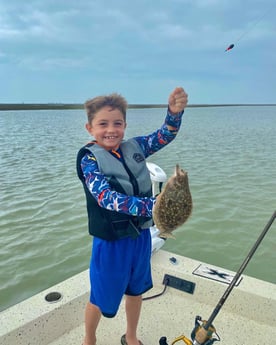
[112, 200]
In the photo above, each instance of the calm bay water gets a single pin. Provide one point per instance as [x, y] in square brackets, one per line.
[229, 153]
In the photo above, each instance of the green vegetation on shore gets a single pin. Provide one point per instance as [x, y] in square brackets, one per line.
[62, 106]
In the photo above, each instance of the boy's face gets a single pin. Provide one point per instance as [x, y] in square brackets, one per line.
[108, 128]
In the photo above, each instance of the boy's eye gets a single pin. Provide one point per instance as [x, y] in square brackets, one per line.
[115, 124]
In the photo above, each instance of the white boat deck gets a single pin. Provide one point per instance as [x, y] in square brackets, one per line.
[247, 317]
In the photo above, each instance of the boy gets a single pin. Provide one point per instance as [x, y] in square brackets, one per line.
[117, 185]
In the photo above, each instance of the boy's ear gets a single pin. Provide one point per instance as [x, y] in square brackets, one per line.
[89, 127]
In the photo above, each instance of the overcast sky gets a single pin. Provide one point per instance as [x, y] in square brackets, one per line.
[71, 50]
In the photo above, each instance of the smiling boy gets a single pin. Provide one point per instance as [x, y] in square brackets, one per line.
[117, 186]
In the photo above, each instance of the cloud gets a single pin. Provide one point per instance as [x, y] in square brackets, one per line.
[127, 41]
[45, 64]
[34, 24]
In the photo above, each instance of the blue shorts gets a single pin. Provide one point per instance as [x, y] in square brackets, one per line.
[117, 268]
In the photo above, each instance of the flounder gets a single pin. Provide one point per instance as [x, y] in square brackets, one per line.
[174, 204]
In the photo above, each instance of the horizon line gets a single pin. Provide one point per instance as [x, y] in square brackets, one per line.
[56, 106]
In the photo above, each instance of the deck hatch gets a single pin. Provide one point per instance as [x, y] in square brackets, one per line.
[215, 273]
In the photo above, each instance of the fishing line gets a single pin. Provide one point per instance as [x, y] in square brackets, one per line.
[252, 26]
[231, 46]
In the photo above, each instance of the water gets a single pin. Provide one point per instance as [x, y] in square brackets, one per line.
[229, 153]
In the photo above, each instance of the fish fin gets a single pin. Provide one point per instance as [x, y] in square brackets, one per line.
[166, 235]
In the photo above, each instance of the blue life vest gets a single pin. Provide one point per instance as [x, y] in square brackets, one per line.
[129, 176]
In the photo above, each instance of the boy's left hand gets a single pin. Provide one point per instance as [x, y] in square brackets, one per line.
[178, 100]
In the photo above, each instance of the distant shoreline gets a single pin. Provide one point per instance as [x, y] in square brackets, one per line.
[62, 106]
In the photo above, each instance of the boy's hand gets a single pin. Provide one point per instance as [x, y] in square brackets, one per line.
[178, 100]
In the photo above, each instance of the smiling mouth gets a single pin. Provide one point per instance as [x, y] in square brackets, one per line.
[110, 137]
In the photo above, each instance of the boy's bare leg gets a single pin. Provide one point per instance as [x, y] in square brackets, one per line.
[92, 318]
[133, 308]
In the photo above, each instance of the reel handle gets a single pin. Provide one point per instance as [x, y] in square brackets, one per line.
[163, 340]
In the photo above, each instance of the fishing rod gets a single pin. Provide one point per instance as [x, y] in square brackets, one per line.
[202, 334]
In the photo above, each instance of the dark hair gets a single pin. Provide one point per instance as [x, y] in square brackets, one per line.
[114, 100]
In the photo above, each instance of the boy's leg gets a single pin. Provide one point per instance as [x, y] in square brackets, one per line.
[133, 308]
[92, 318]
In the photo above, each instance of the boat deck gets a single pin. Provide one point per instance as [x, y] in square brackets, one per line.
[247, 317]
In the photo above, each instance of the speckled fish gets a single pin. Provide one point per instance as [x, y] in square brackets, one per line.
[174, 204]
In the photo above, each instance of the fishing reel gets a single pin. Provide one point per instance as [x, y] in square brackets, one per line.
[206, 336]
[199, 333]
